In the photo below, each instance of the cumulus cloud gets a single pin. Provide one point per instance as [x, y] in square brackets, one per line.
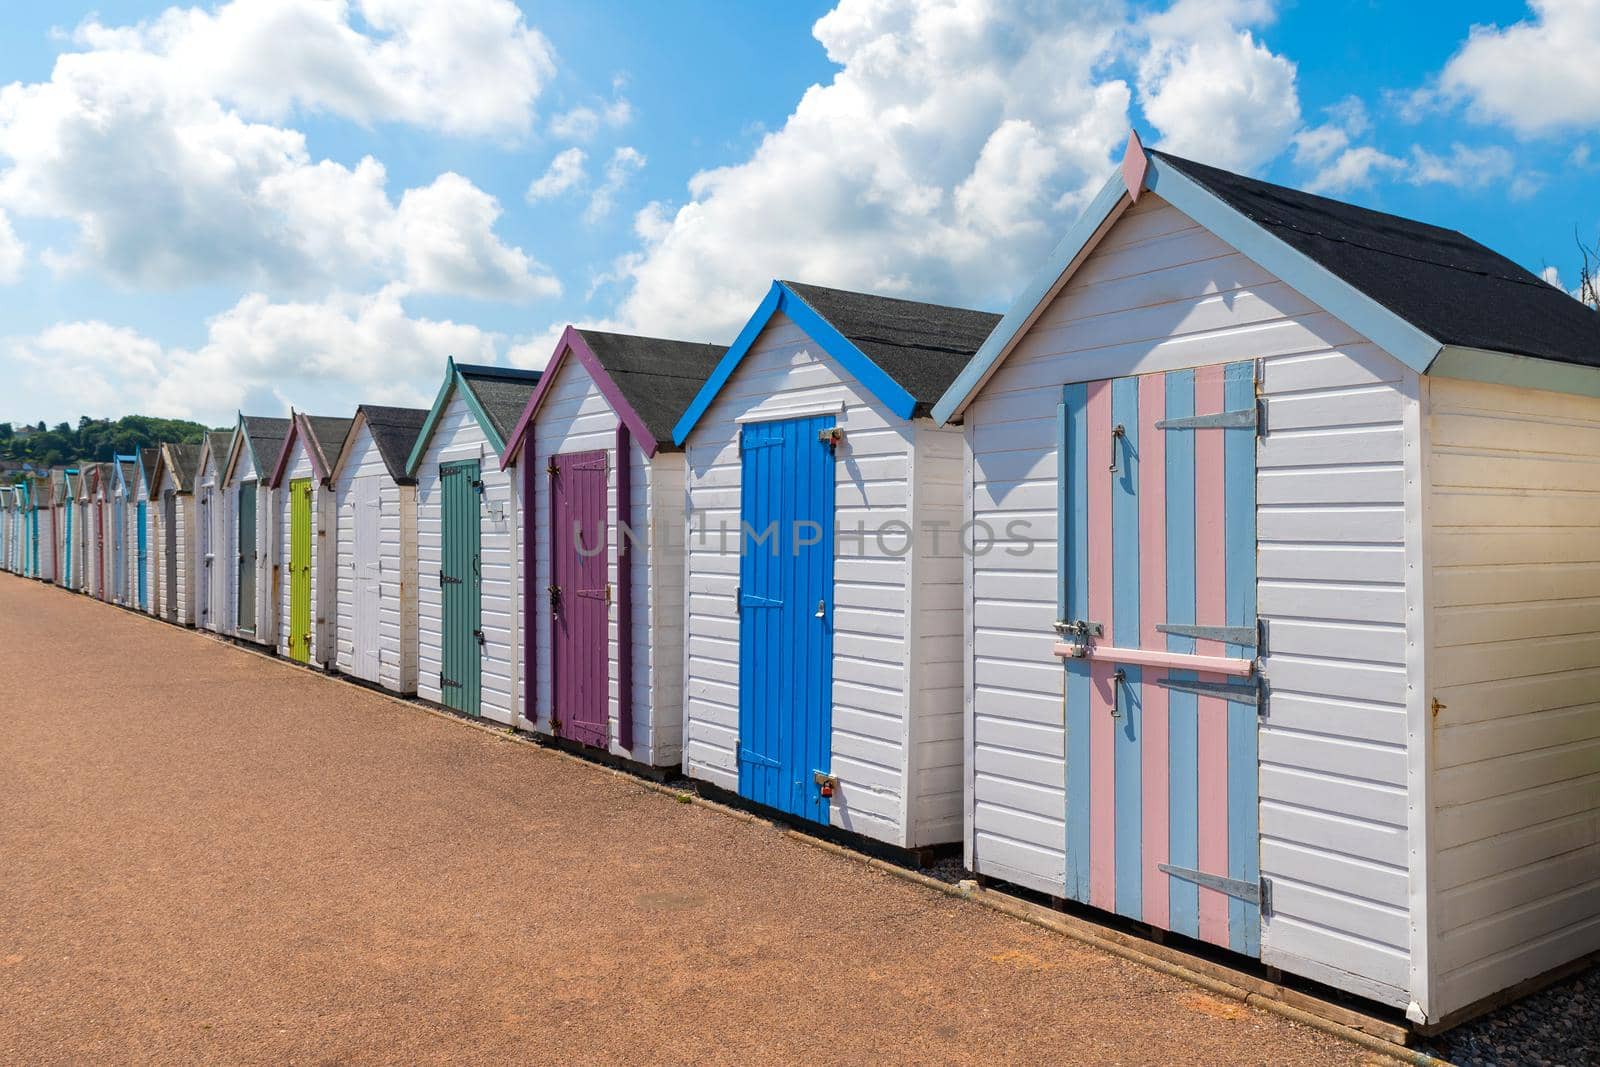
[564, 173]
[12, 251]
[469, 67]
[1538, 76]
[1215, 92]
[259, 355]
[624, 163]
[168, 187]
[584, 121]
[941, 161]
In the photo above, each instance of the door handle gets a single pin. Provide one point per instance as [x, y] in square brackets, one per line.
[822, 609]
[1118, 680]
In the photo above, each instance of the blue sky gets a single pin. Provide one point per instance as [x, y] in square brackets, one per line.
[276, 202]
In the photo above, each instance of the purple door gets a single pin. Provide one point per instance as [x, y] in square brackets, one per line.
[580, 597]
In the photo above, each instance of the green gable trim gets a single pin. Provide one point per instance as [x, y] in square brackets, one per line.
[453, 380]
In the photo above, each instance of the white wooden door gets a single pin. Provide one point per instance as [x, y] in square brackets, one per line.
[367, 581]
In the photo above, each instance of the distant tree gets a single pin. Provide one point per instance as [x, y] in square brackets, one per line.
[1589, 274]
[6, 432]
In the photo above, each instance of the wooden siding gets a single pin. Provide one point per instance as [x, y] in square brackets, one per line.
[217, 606]
[1159, 293]
[457, 436]
[885, 724]
[300, 466]
[576, 417]
[1514, 626]
[397, 566]
[267, 568]
[184, 593]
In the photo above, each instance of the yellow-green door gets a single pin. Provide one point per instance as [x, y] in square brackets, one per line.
[300, 570]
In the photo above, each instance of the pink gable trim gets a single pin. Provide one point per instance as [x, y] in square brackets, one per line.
[572, 342]
[1135, 164]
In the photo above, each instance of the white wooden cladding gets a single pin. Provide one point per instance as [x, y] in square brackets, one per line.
[1161, 293]
[184, 535]
[896, 746]
[376, 600]
[323, 550]
[1514, 555]
[457, 436]
[576, 417]
[266, 629]
[219, 565]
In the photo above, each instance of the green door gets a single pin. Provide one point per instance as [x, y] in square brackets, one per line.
[460, 588]
[300, 570]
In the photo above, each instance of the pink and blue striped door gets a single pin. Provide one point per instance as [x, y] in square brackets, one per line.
[1158, 547]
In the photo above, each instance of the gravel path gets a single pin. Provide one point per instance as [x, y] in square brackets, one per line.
[1559, 1027]
[214, 857]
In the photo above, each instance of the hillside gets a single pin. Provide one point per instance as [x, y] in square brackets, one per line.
[91, 441]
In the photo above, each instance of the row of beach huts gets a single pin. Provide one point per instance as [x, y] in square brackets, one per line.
[1242, 580]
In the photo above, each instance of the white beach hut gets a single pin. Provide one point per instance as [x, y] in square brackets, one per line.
[823, 659]
[604, 483]
[1296, 648]
[375, 508]
[175, 532]
[468, 597]
[247, 497]
[306, 547]
[214, 549]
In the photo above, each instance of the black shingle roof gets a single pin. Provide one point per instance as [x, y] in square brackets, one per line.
[327, 437]
[657, 377]
[147, 461]
[1444, 283]
[266, 437]
[394, 431]
[185, 461]
[923, 347]
[219, 440]
[502, 391]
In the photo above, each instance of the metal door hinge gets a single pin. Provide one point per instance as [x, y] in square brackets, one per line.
[1258, 892]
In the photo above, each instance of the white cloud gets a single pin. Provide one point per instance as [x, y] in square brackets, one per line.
[1538, 76]
[12, 251]
[167, 187]
[1464, 166]
[1353, 168]
[942, 161]
[469, 67]
[1213, 90]
[583, 122]
[624, 163]
[565, 172]
[446, 236]
[260, 356]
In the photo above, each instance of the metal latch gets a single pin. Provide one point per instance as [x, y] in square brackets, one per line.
[445, 579]
[826, 783]
[555, 600]
[479, 635]
[1078, 632]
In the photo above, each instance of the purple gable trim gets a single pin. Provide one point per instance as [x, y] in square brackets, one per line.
[624, 589]
[572, 342]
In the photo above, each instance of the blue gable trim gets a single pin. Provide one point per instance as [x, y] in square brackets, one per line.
[1022, 310]
[1374, 321]
[781, 298]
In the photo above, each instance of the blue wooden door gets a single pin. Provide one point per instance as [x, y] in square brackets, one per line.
[1158, 601]
[141, 521]
[786, 614]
